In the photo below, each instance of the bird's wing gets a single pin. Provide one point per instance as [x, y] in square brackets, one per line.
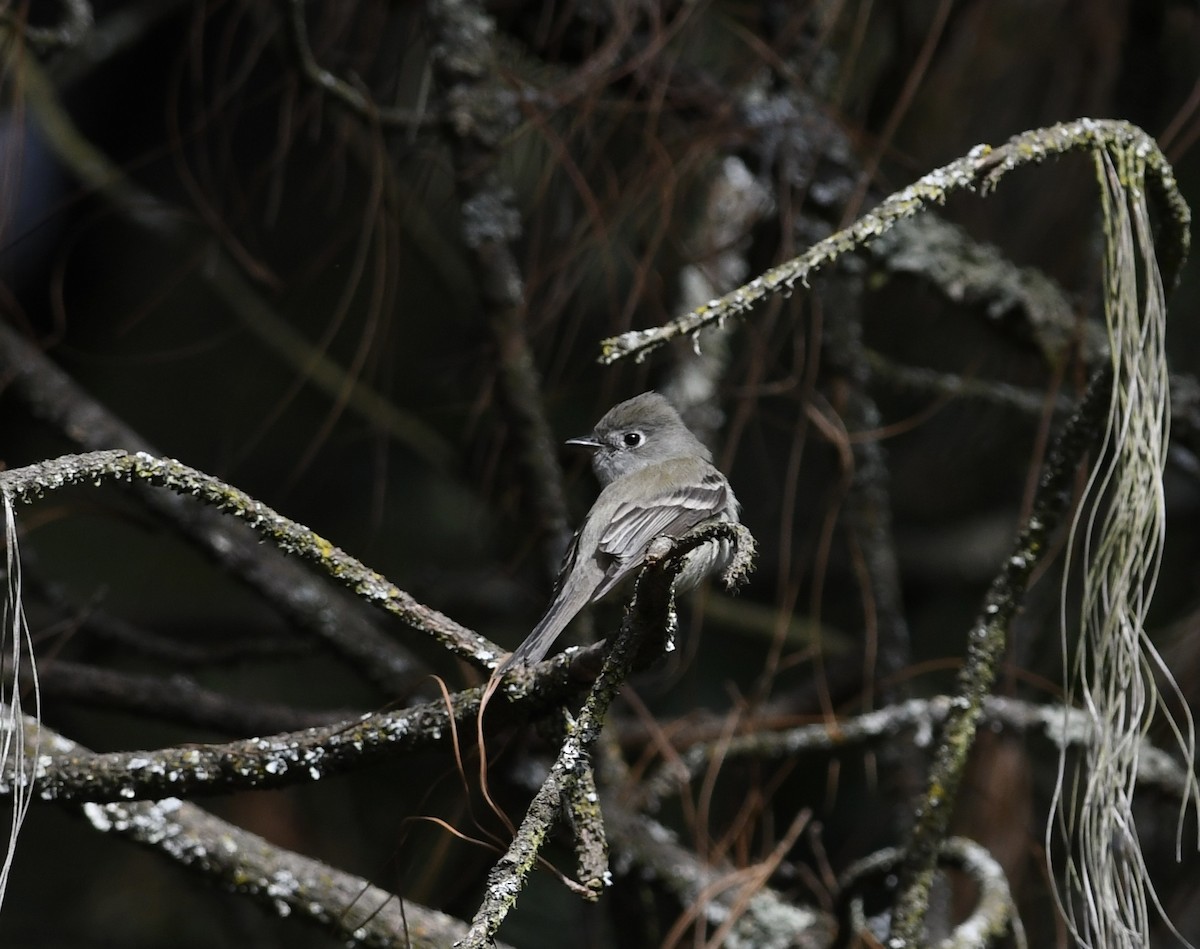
[670, 511]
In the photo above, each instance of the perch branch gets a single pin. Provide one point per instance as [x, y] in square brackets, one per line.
[650, 614]
[26, 484]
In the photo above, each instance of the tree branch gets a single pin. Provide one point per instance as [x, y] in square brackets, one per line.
[650, 615]
[982, 168]
[31, 482]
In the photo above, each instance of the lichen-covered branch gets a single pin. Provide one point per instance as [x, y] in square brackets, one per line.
[651, 614]
[985, 646]
[275, 761]
[284, 882]
[309, 603]
[995, 912]
[29, 483]
[302, 756]
[1063, 727]
[972, 274]
[272, 761]
[981, 169]
[587, 825]
[287, 883]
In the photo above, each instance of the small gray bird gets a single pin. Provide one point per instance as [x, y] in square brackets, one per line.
[657, 479]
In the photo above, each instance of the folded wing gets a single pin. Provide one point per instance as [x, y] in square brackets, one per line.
[672, 512]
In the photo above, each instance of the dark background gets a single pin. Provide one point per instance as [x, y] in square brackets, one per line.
[349, 236]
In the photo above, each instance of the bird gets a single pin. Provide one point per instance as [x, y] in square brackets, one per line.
[657, 479]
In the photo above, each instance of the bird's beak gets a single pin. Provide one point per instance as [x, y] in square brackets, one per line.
[587, 441]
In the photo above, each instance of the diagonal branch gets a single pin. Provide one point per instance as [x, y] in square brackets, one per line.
[981, 169]
[26, 484]
[309, 604]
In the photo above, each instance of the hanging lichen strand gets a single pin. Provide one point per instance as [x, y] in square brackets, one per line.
[1107, 894]
[18, 748]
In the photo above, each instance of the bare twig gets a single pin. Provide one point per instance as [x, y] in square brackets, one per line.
[175, 698]
[357, 101]
[985, 646]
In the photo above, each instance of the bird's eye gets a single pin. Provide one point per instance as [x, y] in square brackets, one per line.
[632, 439]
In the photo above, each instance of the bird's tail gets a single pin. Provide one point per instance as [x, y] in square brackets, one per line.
[570, 600]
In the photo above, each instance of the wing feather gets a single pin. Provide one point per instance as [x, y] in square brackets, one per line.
[672, 511]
